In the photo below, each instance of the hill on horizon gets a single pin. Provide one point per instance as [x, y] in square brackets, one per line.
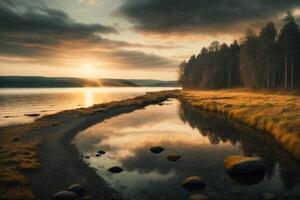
[50, 82]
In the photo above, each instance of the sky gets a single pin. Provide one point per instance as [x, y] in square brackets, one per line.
[142, 39]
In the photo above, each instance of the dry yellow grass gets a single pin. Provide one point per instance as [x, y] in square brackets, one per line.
[16, 156]
[275, 113]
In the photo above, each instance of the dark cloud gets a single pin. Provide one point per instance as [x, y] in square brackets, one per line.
[141, 59]
[29, 29]
[202, 16]
[33, 17]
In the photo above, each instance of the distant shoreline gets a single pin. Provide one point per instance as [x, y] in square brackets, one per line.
[66, 82]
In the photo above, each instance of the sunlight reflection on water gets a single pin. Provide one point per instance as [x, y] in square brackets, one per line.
[14, 103]
[203, 141]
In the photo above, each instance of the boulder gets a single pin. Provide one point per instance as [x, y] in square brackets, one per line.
[98, 155]
[193, 183]
[157, 149]
[245, 170]
[76, 188]
[173, 158]
[65, 195]
[116, 169]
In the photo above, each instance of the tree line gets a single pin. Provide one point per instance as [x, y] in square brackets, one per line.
[268, 59]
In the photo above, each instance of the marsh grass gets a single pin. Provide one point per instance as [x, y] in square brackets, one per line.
[16, 156]
[277, 113]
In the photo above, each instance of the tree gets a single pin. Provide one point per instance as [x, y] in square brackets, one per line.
[289, 42]
[267, 39]
[263, 60]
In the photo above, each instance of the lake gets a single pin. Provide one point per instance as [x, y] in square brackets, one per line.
[203, 140]
[16, 103]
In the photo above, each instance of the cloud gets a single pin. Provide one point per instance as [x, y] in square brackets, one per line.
[201, 16]
[29, 29]
[32, 17]
[141, 59]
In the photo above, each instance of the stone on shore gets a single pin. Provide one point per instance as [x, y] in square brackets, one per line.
[157, 149]
[193, 183]
[65, 195]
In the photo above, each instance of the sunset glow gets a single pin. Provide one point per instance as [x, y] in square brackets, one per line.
[118, 40]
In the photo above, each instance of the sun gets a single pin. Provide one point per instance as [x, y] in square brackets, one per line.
[88, 70]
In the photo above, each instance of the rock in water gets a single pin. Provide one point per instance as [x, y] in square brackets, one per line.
[116, 169]
[173, 158]
[65, 195]
[76, 188]
[157, 149]
[32, 115]
[245, 170]
[193, 183]
[199, 197]
[101, 152]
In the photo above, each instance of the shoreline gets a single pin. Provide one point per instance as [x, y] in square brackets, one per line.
[276, 113]
[57, 164]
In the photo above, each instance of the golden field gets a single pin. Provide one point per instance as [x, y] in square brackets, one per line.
[277, 113]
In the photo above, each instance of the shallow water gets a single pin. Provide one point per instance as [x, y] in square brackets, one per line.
[15, 103]
[202, 139]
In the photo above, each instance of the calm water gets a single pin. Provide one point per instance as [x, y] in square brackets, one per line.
[203, 141]
[15, 103]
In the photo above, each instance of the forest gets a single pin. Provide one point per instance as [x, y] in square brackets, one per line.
[269, 59]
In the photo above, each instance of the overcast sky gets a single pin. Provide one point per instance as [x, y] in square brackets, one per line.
[122, 38]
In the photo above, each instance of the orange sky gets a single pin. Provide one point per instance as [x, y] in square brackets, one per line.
[112, 39]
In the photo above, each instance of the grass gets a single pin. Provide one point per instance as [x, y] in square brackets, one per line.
[277, 113]
[16, 156]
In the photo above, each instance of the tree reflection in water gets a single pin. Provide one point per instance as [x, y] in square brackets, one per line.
[252, 142]
[202, 139]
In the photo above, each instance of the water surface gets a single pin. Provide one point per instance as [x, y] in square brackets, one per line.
[16, 103]
[202, 139]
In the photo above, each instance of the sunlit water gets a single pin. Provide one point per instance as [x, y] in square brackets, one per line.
[203, 140]
[16, 103]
